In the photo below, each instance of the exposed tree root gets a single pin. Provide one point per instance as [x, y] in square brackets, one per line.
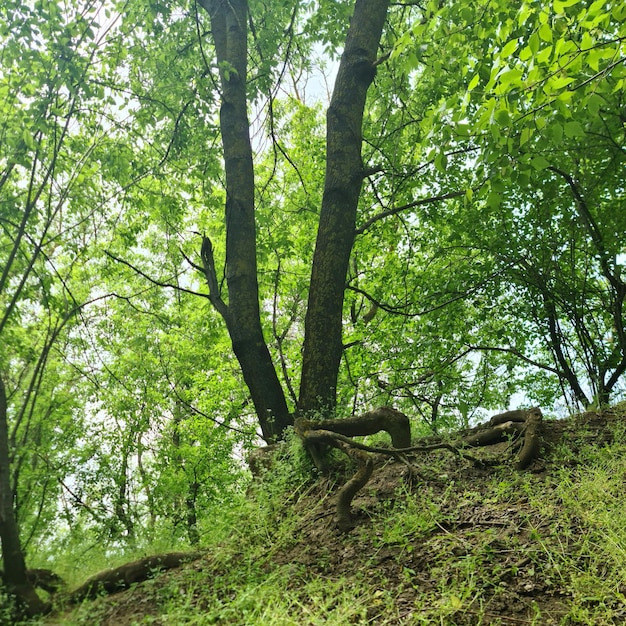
[492, 434]
[532, 440]
[43, 579]
[519, 415]
[120, 578]
[337, 433]
[512, 423]
[351, 488]
[383, 418]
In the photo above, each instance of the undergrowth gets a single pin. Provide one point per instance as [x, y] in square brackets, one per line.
[496, 547]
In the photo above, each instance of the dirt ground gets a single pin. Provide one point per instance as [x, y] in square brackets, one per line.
[469, 524]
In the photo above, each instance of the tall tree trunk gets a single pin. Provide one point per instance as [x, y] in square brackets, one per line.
[335, 236]
[122, 505]
[242, 313]
[193, 486]
[15, 577]
[192, 513]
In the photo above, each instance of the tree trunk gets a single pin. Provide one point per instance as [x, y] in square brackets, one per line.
[193, 486]
[192, 513]
[122, 505]
[242, 313]
[335, 236]
[15, 577]
[566, 372]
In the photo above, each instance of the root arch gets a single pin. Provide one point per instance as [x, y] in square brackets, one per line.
[521, 427]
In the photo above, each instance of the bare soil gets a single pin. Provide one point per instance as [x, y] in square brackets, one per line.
[504, 533]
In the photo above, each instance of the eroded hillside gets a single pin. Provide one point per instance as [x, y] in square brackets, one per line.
[453, 544]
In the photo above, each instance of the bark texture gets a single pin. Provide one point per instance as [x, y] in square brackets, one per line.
[15, 575]
[532, 440]
[342, 187]
[242, 312]
[365, 467]
[122, 577]
[383, 418]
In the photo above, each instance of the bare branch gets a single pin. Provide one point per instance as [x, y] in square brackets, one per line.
[411, 205]
[154, 281]
[519, 355]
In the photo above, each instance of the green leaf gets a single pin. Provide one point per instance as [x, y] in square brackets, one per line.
[559, 6]
[473, 83]
[597, 8]
[545, 32]
[544, 56]
[565, 97]
[502, 117]
[593, 59]
[556, 83]
[594, 103]
[509, 79]
[574, 129]
[556, 132]
[411, 61]
[525, 135]
[28, 139]
[441, 161]
[494, 200]
[509, 49]
[540, 163]
[525, 53]
[619, 12]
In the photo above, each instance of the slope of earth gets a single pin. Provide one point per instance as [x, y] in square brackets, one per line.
[451, 544]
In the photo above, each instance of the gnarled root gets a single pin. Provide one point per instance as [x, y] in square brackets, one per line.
[351, 488]
[532, 439]
[383, 418]
[524, 421]
[318, 434]
[358, 481]
[43, 579]
[492, 435]
[122, 577]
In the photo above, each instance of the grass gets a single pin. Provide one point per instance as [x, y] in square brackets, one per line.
[497, 547]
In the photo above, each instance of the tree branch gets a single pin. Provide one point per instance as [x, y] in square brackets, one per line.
[208, 263]
[154, 281]
[519, 355]
[395, 210]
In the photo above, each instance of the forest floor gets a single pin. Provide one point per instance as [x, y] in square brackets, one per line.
[456, 545]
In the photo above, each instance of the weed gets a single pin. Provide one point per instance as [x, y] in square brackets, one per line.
[409, 518]
[546, 549]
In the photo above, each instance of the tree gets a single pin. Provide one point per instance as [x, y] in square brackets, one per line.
[51, 202]
[241, 314]
[14, 565]
[436, 144]
[345, 171]
[344, 174]
[466, 244]
[542, 110]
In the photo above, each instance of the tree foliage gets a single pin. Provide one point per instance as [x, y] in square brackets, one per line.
[217, 215]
